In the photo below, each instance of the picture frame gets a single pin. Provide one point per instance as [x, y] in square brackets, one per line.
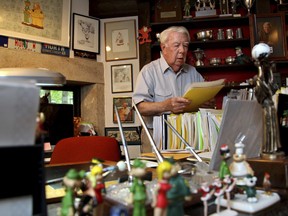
[125, 109]
[86, 33]
[121, 78]
[131, 134]
[120, 40]
[273, 23]
[52, 26]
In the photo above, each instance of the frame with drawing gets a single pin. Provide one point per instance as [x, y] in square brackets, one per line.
[125, 110]
[131, 134]
[120, 40]
[121, 78]
[270, 29]
[42, 21]
[86, 33]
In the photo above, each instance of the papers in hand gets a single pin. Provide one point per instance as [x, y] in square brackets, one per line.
[200, 92]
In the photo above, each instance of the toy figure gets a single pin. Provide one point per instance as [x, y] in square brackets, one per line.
[218, 191]
[187, 9]
[241, 58]
[250, 189]
[229, 184]
[240, 168]
[179, 191]
[224, 168]
[72, 181]
[207, 193]
[267, 183]
[160, 201]
[144, 35]
[37, 16]
[99, 187]
[88, 200]
[26, 12]
[138, 188]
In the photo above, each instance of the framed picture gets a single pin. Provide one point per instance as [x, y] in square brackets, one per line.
[86, 33]
[121, 78]
[125, 109]
[270, 29]
[131, 134]
[120, 40]
[42, 21]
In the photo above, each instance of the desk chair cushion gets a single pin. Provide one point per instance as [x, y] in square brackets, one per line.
[84, 148]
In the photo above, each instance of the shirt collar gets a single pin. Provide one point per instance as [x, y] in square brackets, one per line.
[165, 67]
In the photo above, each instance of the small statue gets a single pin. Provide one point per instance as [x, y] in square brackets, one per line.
[229, 184]
[187, 7]
[224, 168]
[206, 194]
[179, 192]
[241, 58]
[267, 184]
[160, 201]
[218, 191]
[240, 168]
[71, 181]
[250, 188]
[144, 35]
[138, 189]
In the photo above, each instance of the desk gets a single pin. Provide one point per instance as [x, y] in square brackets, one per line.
[193, 208]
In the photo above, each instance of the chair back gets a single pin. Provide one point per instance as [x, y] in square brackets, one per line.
[84, 148]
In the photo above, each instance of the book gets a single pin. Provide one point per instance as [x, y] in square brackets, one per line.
[200, 92]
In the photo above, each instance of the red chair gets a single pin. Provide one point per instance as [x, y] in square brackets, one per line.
[84, 148]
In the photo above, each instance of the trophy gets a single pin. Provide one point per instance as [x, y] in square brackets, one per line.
[199, 55]
[205, 8]
[248, 4]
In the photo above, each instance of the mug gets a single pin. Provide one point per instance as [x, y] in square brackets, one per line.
[239, 34]
[220, 34]
[229, 34]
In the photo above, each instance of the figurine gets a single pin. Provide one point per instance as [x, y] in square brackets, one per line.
[72, 181]
[224, 168]
[144, 35]
[88, 201]
[186, 10]
[267, 184]
[96, 179]
[250, 189]
[138, 188]
[218, 191]
[229, 184]
[179, 192]
[240, 168]
[207, 193]
[241, 58]
[160, 201]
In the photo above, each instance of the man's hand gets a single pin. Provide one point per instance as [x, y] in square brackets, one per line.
[176, 104]
[211, 104]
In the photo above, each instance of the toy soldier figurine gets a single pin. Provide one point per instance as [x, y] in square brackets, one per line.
[224, 168]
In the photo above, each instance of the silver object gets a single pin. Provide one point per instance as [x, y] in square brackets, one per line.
[230, 60]
[220, 34]
[215, 61]
[204, 35]
[199, 55]
[239, 34]
[229, 34]
[248, 4]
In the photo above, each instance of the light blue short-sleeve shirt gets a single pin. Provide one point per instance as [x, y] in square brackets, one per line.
[157, 82]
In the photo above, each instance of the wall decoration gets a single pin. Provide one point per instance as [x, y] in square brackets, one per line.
[270, 29]
[121, 78]
[131, 134]
[41, 21]
[120, 40]
[86, 33]
[125, 110]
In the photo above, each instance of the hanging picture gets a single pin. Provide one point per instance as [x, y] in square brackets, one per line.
[125, 109]
[121, 78]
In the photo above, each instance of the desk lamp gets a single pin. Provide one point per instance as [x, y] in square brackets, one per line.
[42, 76]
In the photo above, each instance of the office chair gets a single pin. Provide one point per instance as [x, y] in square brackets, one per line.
[84, 148]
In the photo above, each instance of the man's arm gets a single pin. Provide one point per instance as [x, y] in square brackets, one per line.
[174, 105]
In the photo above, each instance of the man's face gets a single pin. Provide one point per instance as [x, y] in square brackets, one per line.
[175, 50]
[266, 28]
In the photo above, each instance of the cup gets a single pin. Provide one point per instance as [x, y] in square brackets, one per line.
[229, 34]
[220, 34]
[239, 34]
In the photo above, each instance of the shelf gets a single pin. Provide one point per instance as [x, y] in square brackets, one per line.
[226, 67]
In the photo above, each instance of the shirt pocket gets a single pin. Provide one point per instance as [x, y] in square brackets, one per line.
[162, 95]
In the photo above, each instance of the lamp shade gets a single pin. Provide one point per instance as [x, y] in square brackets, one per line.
[42, 76]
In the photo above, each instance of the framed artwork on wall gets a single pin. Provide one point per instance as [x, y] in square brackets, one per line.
[120, 40]
[41, 21]
[270, 29]
[86, 33]
[125, 109]
[131, 134]
[121, 78]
